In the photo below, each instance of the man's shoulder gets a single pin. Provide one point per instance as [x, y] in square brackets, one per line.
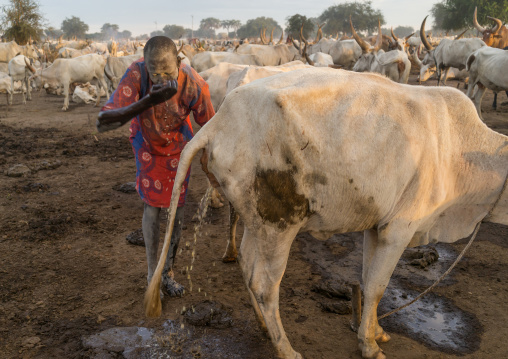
[138, 64]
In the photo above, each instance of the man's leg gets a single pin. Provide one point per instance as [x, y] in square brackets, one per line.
[168, 282]
[150, 227]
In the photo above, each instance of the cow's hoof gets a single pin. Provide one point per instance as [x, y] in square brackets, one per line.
[383, 337]
[377, 354]
[371, 351]
[229, 259]
[172, 287]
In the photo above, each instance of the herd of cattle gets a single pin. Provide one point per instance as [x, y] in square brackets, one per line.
[59, 65]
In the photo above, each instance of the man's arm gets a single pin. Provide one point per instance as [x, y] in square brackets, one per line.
[112, 119]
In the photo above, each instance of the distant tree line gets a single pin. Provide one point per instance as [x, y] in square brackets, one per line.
[22, 20]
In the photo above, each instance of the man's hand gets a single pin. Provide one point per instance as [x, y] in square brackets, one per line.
[163, 92]
[103, 127]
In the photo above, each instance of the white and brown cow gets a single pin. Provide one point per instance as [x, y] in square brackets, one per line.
[329, 151]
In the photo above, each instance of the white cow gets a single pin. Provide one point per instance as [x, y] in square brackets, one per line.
[217, 78]
[428, 69]
[450, 53]
[70, 53]
[8, 50]
[271, 55]
[63, 72]
[206, 60]
[116, 66]
[5, 85]
[488, 69]
[393, 64]
[328, 151]
[21, 70]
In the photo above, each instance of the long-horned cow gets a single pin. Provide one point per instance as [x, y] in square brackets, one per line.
[496, 36]
[450, 53]
[393, 64]
[329, 151]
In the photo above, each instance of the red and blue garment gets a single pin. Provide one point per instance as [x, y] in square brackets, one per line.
[159, 134]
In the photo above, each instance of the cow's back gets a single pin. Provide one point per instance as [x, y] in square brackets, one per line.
[348, 150]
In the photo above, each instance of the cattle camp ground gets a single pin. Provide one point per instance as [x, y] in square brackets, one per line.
[72, 287]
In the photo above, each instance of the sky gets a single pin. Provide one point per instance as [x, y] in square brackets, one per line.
[143, 17]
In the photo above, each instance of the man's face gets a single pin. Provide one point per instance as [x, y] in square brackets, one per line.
[162, 68]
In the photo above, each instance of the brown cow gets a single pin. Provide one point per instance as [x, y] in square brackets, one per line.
[494, 37]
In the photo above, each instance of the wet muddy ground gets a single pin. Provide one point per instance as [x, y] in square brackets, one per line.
[72, 287]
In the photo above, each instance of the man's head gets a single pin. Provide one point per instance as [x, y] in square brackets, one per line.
[161, 59]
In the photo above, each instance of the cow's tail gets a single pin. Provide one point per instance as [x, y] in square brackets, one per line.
[152, 300]
[469, 61]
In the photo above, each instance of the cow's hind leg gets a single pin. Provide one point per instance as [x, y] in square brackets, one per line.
[382, 254]
[370, 241]
[231, 252]
[263, 258]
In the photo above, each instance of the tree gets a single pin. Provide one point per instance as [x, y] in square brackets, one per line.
[210, 23]
[109, 30]
[458, 14]
[399, 31]
[363, 16]
[74, 27]
[235, 25]
[157, 33]
[294, 23]
[174, 31]
[226, 24]
[53, 33]
[253, 27]
[126, 34]
[22, 20]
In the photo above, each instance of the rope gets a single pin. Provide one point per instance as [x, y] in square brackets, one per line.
[475, 232]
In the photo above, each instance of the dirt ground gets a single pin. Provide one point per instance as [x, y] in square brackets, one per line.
[67, 271]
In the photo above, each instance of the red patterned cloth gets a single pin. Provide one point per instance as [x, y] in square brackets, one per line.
[159, 134]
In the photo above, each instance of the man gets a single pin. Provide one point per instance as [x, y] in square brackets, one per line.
[158, 93]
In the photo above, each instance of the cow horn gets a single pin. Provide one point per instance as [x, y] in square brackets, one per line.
[30, 67]
[301, 35]
[393, 35]
[307, 56]
[475, 23]
[337, 37]
[271, 36]
[295, 45]
[461, 34]
[379, 41]
[498, 22]
[281, 38]
[180, 49]
[365, 47]
[407, 37]
[423, 37]
[261, 37]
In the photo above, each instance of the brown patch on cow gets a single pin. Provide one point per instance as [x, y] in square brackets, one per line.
[351, 180]
[277, 200]
[315, 178]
